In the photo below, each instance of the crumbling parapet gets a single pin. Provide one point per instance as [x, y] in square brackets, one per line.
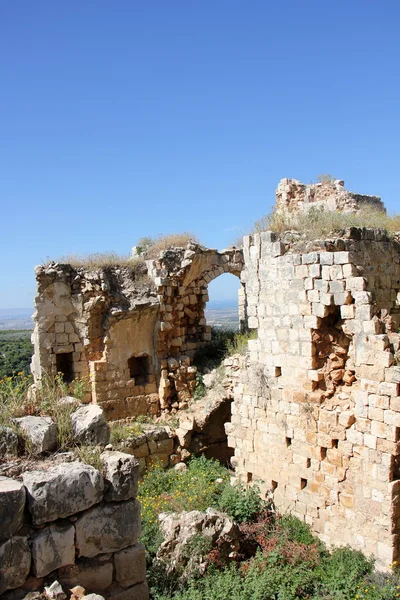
[292, 195]
[317, 415]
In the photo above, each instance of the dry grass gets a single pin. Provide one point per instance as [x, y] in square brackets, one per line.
[318, 223]
[98, 260]
[154, 247]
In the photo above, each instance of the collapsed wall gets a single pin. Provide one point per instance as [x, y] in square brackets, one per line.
[131, 332]
[317, 415]
[292, 196]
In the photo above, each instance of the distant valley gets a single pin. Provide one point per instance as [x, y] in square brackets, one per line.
[222, 313]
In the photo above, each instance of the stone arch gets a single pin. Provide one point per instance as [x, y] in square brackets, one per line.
[182, 277]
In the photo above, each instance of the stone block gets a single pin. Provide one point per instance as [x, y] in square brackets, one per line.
[61, 491]
[137, 592]
[90, 426]
[108, 528]
[346, 418]
[12, 504]
[52, 548]
[8, 442]
[41, 433]
[15, 563]
[121, 473]
[92, 573]
[356, 284]
[130, 565]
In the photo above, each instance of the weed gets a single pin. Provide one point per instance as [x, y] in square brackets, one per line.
[152, 247]
[318, 223]
[200, 389]
[242, 505]
[17, 399]
[90, 456]
[120, 432]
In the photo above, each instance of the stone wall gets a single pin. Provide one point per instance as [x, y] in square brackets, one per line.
[72, 524]
[316, 417]
[292, 195]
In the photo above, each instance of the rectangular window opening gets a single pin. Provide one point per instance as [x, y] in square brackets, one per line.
[139, 369]
[288, 442]
[303, 483]
[65, 366]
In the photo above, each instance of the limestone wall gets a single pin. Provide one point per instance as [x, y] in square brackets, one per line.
[316, 417]
[71, 524]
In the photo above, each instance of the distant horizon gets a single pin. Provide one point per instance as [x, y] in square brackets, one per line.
[26, 311]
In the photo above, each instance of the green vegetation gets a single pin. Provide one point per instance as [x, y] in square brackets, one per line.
[279, 558]
[224, 343]
[15, 352]
[169, 491]
[318, 223]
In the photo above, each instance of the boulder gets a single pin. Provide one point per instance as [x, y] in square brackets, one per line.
[8, 442]
[179, 529]
[52, 548]
[40, 432]
[15, 563]
[90, 426]
[92, 597]
[121, 473]
[108, 528]
[62, 491]
[12, 504]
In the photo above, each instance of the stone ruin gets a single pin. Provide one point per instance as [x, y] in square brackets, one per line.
[316, 411]
[293, 196]
[133, 337]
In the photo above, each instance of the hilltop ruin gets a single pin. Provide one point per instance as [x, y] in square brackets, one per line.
[316, 413]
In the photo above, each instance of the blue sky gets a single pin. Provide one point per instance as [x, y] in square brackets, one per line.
[124, 119]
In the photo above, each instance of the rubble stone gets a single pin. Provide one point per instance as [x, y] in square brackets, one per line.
[52, 548]
[121, 473]
[61, 491]
[90, 426]
[130, 565]
[108, 528]
[41, 433]
[8, 442]
[15, 563]
[12, 504]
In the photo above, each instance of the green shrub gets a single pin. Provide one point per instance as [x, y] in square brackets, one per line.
[342, 571]
[293, 529]
[242, 504]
